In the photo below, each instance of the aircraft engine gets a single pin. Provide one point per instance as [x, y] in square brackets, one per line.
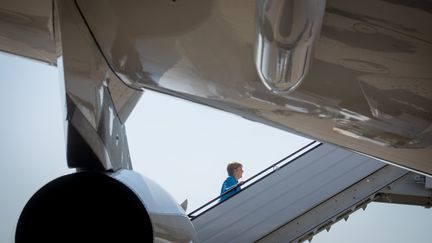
[90, 206]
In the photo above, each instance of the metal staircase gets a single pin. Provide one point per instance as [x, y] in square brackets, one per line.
[313, 190]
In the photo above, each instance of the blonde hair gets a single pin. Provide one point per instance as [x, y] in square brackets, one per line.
[232, 166]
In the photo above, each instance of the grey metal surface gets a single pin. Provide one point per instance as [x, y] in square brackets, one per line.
[98, 102]
[338, 207]
[288, 193]
[409, 190]
[368, 88]
[169, 221]
[287, 32]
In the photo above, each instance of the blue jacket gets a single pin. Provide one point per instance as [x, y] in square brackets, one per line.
[228, 184]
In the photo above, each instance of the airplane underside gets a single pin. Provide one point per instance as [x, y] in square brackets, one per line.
[351, 74]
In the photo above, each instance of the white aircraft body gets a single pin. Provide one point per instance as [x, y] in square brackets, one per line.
[354, 74]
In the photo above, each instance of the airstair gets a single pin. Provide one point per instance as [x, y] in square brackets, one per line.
[303, 194]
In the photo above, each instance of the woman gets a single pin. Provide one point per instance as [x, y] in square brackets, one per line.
[231, 184]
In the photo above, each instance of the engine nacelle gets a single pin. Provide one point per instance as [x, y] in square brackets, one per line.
[103, 207]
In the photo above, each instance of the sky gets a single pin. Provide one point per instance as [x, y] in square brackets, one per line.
[182, 146]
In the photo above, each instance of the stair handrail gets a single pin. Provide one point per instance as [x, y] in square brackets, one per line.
[274, 166]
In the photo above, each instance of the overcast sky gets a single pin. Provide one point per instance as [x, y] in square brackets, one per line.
[181, 145]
